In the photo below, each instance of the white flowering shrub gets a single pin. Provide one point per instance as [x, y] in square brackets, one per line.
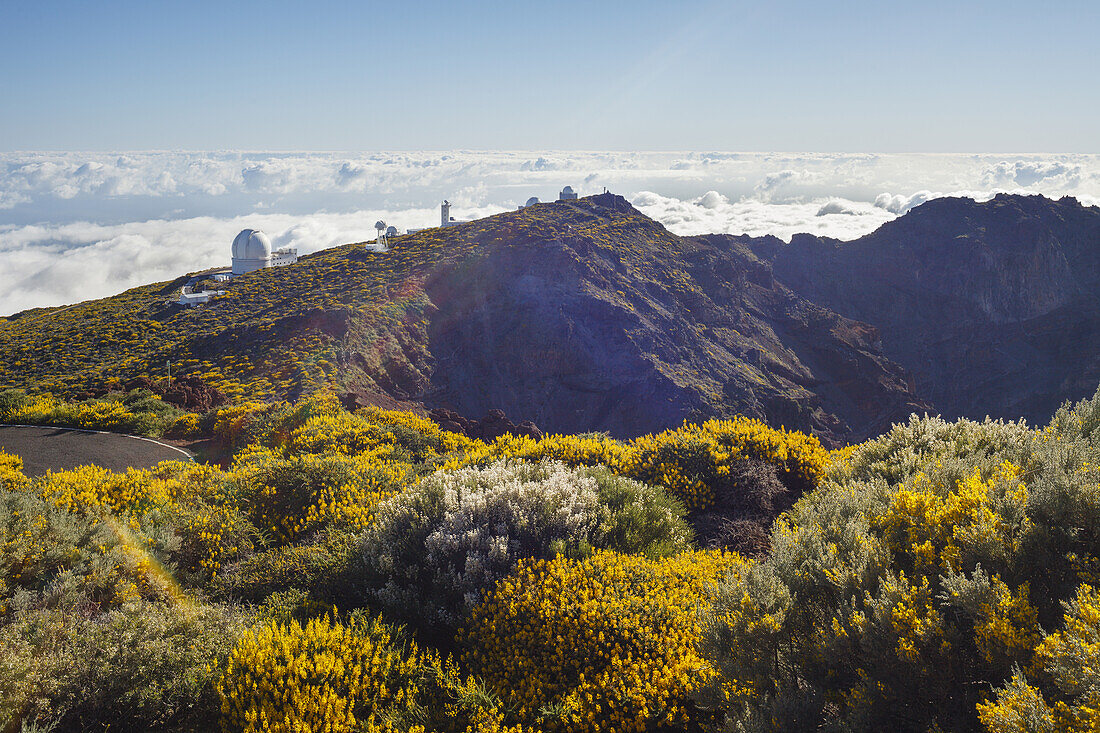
[436, 548]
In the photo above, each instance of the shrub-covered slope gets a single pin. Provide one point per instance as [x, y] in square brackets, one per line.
[943, 576]
[175, 597]
[580, 315]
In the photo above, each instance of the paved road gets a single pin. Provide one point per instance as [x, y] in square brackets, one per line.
[54, 449]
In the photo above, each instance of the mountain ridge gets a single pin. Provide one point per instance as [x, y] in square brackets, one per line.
[586, 315]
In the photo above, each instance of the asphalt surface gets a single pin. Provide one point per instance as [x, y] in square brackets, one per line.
[55, 449]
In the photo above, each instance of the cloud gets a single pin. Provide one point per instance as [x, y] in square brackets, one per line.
[898, 204]
[80, 225]
[716, 214]
[1032, 172]
[836, 206]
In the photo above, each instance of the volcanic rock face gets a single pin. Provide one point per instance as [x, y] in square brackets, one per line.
[188, 392]
[598, 318]
[492, 426]
[992, 307]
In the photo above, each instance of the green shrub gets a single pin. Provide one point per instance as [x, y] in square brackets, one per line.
[53, 558]
[319, 566]
[145, 666]
[290, 497]
[922, 572]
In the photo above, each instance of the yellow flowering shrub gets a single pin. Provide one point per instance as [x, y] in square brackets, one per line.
[441, 441]
[1018, 708]
[1067, 668]
[11, 472]
[339, 433]
[572, 450]
[91, 488]
[932, 526]
[323, 677]
[609, 642]
[137, 412]
[292, 496]
[184, 426]
[231, 422]
[694, 461]
[879, 597]
[212, 535]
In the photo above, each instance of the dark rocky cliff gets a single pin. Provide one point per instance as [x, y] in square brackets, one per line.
[587, 315]
[992, 307]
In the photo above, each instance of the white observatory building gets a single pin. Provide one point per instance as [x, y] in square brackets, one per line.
[445, 218]
[567, 194]
[252, 251]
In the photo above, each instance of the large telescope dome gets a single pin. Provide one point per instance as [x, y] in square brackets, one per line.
[251, 251]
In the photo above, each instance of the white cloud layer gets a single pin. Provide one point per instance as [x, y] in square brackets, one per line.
[75, 226]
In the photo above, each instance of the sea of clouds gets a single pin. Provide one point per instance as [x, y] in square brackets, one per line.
[75, 226]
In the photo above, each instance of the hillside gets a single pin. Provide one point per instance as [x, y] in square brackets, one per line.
[991, 307]
[587, 315]
[581, 315]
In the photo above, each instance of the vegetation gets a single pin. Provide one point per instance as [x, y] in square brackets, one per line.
[591, 645]
[941, 577]
[276, 333]
[436, 548]
[138, 412]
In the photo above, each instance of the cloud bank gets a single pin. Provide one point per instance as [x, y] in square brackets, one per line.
[75, 226]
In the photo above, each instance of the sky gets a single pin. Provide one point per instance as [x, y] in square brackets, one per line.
[137, 138]
[801, 75]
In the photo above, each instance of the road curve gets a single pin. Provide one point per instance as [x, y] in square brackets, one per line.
[55, 449]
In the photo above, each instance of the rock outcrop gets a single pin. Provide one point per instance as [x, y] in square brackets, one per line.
[492, 426]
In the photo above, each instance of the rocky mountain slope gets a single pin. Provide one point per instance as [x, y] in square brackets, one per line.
[991, 307]
[586, 315]
[606, 321]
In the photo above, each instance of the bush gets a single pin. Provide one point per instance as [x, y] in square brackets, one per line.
[145, 666]
[184, 426]
[436, 548]
[289, 497]
[910, 448]
[318, 566]
[138, 413]
[922, 571]
[321, 676]
[50, 557]
[591, 449]
[211, 535]
[1067, 663]
[605, 643]
[11, 472]
[697, 463]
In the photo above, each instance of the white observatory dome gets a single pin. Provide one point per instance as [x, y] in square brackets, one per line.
[567, 189]
[251, 251]
[532, 201]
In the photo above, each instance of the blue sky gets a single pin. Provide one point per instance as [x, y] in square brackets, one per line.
[808, 76]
